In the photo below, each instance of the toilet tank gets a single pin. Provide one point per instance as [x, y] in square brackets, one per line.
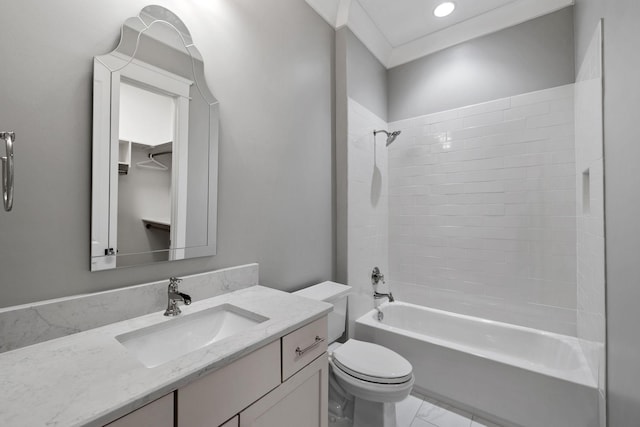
[333, 293]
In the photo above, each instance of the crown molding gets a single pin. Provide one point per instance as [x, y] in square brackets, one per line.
[350, 13]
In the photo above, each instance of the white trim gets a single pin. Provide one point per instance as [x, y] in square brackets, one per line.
[142, 74]
[503, 17]
[114, 158]
[179, 181]
[363, 27]
[100, 172]
[327, 9]
[342, 15]
[146, 73]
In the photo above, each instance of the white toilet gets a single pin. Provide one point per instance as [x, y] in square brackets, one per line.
[368, 377]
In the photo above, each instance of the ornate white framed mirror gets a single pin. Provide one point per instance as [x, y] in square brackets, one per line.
[155, 147]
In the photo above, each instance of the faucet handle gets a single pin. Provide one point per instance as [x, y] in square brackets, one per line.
[173, 284]
[376, 276]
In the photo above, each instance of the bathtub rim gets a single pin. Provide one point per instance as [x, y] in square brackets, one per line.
[581, 376]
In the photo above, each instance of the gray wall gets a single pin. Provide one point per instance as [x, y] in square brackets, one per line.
[622, 184]
[360, 76]
[587, 13]
[622, 197]
[274, 83]
[341, 154]
[535, 55]
[366, 77]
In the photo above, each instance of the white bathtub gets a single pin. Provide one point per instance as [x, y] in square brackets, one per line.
[511, 374]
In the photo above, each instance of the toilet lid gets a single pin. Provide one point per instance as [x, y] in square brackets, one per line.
[372, 362]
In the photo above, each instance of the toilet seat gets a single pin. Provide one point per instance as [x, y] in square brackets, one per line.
[372, 363]
[370, 391]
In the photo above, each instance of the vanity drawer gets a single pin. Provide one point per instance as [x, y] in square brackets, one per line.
[303, 346]
[213, 399]
[158, 413]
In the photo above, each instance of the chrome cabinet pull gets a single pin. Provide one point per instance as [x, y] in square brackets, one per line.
[7, 170]
[300, 352]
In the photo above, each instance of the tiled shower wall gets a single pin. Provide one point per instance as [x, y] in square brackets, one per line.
[368, 212]
[590, 213]
[482, 210]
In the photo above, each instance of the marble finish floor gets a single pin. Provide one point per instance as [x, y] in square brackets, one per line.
[416, 411]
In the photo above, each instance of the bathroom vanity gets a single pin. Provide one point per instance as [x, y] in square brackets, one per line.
[279, 384]
[272, 372]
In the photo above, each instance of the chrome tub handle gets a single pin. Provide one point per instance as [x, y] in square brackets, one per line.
[300, 352]
[8, 170]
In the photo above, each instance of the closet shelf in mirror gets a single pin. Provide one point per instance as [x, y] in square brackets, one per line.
[124, 157]
[157, 224]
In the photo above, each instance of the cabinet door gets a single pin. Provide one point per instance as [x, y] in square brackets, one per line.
[215, 398]
[301, 401]
[158, 413]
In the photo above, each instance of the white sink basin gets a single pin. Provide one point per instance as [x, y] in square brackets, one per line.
[158, 344]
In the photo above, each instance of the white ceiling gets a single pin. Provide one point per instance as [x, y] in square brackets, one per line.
[399, 31]
[402, 21]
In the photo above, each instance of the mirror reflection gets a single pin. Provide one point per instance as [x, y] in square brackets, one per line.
[154, 147]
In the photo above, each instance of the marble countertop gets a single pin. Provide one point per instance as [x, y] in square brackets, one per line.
[89, 378]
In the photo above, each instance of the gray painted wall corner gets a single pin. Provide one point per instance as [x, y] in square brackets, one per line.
[534, 55]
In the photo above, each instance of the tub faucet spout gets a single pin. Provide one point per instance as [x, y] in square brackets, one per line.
[378, 295]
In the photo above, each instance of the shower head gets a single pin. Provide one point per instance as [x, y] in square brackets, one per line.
[391, 136]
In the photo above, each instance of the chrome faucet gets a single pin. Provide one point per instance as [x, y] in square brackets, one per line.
[377, 277]
[378, 295]
[175, 296]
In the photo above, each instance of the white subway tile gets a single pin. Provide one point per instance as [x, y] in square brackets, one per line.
[491, 209]
[484, 187]
[484, 119]
[493, 129]
[486, 107]
[558, 118]
[542, 95]
[561, 104]
[527, 111]
[446, 126]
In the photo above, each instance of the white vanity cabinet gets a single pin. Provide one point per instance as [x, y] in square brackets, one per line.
[279, 385]
[301, 401]
[158, 413]
[215, 398]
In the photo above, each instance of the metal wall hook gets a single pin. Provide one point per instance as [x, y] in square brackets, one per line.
[8, 170]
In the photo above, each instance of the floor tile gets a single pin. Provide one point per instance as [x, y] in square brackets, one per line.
[479, 422]
[417, 422]
[441, 416]
[406, 411]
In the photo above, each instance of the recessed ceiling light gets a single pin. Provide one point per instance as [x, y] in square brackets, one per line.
[444, 9]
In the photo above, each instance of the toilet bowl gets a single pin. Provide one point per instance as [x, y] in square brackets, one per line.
[366, 380]
[375, 377]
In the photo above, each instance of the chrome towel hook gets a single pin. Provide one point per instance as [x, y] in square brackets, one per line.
[7, 170]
